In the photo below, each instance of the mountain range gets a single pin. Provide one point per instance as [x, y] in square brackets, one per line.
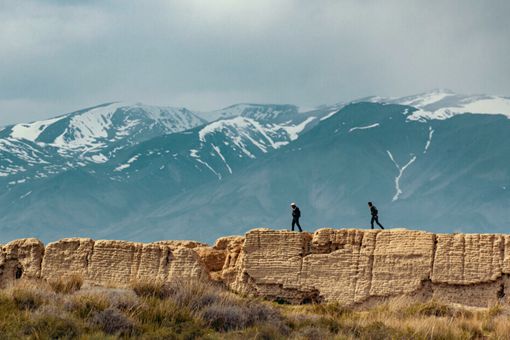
[438, 161]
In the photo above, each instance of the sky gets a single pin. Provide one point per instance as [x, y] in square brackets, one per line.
[61, 56]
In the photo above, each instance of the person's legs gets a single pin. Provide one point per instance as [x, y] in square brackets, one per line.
[299, 225]
[377, 221]
[372, 222]
[293, 223]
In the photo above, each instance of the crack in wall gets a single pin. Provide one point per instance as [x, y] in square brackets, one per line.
[356, 277]
[433, 259]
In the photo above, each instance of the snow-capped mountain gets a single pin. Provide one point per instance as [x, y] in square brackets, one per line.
[91, 135]
[271, 113]
[443, 104]
[440, 175]
[144, 173]
[257, 111]
[212, 151]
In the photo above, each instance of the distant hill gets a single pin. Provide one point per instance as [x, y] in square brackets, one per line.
[144, 173]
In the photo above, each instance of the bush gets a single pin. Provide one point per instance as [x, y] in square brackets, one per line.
[11, 318]
[111, 321]
[258, 312]
[86, 305]
[157, 289]
[225, 318]
[378, 330]
[66, 285]
[164, 316]
[123, 300]
[196, 294]
[313, 333]
[27, 298]
[198, 302]
[430, 308]
[267, 331]
[52, 327]
[331, 309]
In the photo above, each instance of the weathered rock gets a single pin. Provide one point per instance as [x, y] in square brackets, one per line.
[118, 262]
[271, 265]
[233, 246]
[402, 261]
[340, 266]
[213, 259]
[67, 257]
[182, 244]
[20, 259]
[468, 258]
[349, 266]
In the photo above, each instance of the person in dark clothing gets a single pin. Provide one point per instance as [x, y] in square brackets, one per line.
[375, 215]
[296, 214]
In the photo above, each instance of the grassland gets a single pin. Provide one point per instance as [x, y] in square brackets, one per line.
[63, 309]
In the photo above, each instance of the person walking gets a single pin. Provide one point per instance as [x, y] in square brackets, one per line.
[296, 214]
[375, 215]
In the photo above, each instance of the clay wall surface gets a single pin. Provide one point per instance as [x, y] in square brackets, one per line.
[349, 266]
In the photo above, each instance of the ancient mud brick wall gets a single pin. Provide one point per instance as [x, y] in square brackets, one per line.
[349, 266]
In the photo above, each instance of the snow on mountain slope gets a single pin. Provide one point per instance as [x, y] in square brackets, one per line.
[31, 131]
[213, 151]
[95, 128]
[237, 171]
[256, 111]
[443, 104]
[262, 135]
[91, 135]
[100, 135]
[424, 99]
[275, 113]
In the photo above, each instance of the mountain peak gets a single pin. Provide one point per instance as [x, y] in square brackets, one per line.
[256, 111]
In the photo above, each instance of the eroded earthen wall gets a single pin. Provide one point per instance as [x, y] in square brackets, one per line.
[349, 266]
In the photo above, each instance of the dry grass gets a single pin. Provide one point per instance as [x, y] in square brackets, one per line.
[66, 285]
[194, 310]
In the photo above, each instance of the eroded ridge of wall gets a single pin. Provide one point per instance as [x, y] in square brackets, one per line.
[107, 263]
[349, 266]
[20, 258]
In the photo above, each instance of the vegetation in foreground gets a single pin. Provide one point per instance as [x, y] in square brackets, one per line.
[64, 310]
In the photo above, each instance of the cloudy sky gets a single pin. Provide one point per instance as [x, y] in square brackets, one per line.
[59, 56]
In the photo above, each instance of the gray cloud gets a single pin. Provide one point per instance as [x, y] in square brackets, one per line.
[57, 56]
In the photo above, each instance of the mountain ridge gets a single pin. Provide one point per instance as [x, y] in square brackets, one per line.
[242, 171]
